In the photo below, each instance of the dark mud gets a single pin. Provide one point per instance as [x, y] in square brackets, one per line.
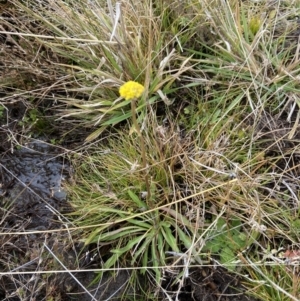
[211, 284]
[31, 200]
[31, 180]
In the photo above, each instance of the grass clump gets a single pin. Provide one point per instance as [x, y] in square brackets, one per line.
[101, 46]
[202, 167]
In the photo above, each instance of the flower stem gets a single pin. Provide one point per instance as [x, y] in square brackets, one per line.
[143, 150]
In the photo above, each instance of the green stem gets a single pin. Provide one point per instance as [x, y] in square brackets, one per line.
[143, 150]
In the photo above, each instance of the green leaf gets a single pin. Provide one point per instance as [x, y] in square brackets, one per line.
[239, 241]
[91, 237]
[236, 224]
[118, 233]
[161, 247]
[117, 118]
[170, 239]
[140, 223]
[111, 59]
[131, 243]
[220, 223]
[142, 205]
[95, 134]
[111, 261]
[213, 246]
[155, 261]
[186, 240]
[227, 257]
[145, 261]
[142, 248]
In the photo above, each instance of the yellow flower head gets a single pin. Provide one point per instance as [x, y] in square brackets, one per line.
[131, 90]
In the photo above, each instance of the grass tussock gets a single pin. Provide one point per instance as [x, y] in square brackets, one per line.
[201, 169]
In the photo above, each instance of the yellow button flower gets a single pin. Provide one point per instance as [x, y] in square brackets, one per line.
[131, 90]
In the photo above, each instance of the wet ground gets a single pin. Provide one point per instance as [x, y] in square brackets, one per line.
[212, 284]
[31, 179]
[31, 200]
